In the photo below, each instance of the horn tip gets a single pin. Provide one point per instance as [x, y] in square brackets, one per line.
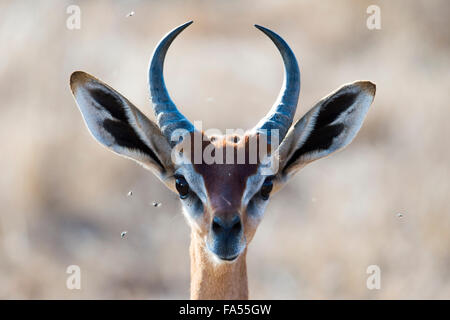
[182, 27]
[186, 24]
[266, 31]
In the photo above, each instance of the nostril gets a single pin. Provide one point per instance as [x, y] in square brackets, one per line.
[216, 225]
[237, 226]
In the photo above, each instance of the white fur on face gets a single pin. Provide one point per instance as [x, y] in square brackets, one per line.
[253, 203]
[193, 205]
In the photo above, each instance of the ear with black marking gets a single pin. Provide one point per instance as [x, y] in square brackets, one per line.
[117, 124]
[329, 126]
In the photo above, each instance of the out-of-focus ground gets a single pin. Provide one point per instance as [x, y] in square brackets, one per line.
[64, 197]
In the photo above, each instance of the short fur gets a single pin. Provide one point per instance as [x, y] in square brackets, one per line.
[228, 193]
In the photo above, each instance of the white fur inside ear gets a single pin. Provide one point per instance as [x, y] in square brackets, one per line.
[349, 122]
[93, 114]
[352, 119]
[118, 125]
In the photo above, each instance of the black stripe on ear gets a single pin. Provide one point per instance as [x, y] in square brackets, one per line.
[321, 136]
[126, 137]
[319, 139]
[334, 107]
[109, 102]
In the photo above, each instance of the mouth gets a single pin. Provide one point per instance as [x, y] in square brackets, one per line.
[229, 259]
[222, 257]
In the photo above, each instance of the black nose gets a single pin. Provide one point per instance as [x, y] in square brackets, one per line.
[226, 227]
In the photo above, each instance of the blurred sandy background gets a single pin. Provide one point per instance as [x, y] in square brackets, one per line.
[64, 197]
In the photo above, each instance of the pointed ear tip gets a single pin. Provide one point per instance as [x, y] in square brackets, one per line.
[368, 86]
[78, 78]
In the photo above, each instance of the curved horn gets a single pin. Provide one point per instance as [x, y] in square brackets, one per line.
[168, 117]
[282, 113]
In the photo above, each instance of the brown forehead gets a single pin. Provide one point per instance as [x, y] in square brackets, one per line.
[225, 183]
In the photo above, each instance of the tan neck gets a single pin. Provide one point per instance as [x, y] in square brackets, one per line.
[211, 280]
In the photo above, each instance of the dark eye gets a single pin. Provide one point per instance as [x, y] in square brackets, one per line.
[182, 186]
[266, 188]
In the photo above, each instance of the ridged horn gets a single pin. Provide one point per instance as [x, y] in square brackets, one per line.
[168, 117]
[282, 112]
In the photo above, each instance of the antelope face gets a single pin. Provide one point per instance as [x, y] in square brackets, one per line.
[224, 183]
[224, 196]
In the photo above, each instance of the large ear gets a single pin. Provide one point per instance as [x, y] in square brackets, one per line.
[117, 124]
[329, 126]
